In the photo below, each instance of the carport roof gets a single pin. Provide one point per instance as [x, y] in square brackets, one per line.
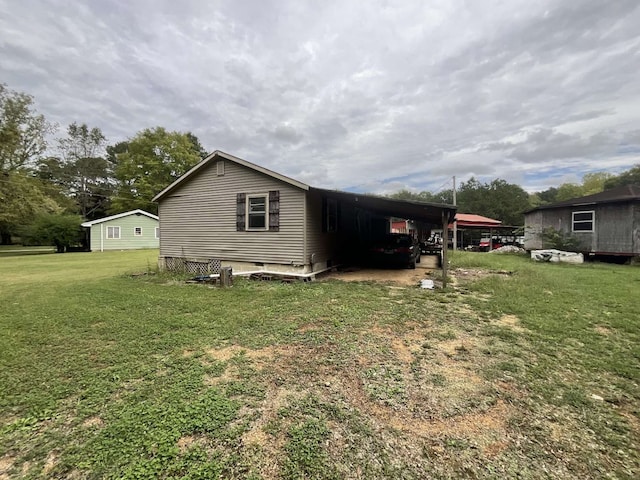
[390, 207]
[419, 211]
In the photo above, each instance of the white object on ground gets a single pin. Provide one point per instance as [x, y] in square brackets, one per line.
[426, 283]
[555, 256]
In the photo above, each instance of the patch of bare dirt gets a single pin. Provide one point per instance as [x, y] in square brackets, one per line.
[50, 463]
[270, 446]
[604, 331]
[6, 464]
[310, 327]
[405, 276]
[512, 322]
[187, 441]
[93, 422]
[443, 393]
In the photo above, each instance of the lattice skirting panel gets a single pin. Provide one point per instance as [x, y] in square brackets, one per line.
[179, 264]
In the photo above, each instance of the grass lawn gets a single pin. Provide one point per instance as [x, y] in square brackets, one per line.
[518, 370]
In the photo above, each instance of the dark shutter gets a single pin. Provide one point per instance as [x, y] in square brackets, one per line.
[274, 210]
[241, 205]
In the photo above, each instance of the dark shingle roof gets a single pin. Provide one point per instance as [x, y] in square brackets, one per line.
[626, 193]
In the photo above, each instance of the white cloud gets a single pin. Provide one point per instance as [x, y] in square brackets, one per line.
[343, 94]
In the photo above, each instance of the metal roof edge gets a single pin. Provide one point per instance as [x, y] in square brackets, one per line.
[119, 215]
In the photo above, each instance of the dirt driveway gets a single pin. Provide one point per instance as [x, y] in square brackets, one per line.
[403, 276]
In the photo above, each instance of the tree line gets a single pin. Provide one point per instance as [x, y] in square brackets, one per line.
[507, 202]
[47, 188]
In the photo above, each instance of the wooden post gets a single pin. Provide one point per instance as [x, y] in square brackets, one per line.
[445, 243]
[226, 277]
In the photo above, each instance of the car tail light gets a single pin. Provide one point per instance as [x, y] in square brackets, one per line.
[403, 249]
[377, 249]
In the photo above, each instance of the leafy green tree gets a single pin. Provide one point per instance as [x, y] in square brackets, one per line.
[568, 190]
[545, 197]
[22, 131]
[22, 140]
[82, 171]
[424, 196]
[62, 231]
[154, 158]
[498, 199]
[202, 153]
[629, 177]
[595, 182]
[21, 198]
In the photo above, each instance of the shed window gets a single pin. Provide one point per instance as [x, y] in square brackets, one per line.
[257, 212]
[583, 221]
[137, 231]
[157, 232]
[113, 233]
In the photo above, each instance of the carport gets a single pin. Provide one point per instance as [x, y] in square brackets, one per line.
[363, 216]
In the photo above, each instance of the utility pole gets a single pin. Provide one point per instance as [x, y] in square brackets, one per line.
[455, 223]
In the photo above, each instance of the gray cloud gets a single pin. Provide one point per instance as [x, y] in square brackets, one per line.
[347, 93]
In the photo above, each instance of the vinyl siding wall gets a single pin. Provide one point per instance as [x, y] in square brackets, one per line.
[127, 240]
[321, 246]
[198, 219]
[614, 228]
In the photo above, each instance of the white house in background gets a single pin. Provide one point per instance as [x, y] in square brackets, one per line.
[125, 231]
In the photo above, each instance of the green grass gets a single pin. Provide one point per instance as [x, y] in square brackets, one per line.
[519, 369]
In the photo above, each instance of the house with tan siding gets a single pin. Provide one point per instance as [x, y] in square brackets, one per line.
[125, 231]
[227, 211]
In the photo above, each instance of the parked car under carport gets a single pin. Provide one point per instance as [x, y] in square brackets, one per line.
[395, 249]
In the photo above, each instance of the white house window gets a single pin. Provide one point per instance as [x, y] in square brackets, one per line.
[257, 212]
[113, 233]
[137, 231]
[583, 221]
[157, 232]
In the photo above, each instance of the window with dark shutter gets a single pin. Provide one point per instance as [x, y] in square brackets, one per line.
[241, 212]
[274, 210]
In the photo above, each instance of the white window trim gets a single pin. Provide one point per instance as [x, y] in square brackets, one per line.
[137, 234]
[157, 233]
[266, 212]
[114, 237]
[592, 221]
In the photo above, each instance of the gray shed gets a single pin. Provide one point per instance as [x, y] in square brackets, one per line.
[606, 223]
[226, 211]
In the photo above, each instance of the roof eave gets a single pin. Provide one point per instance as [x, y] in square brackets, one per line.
[239, 161]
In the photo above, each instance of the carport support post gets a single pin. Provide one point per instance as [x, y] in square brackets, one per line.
[445, 243]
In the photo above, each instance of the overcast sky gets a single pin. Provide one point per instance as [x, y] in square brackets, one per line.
[360, 95]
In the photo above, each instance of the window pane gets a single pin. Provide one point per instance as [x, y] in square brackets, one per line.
[257, 205]
[257, 221]
[583, 226]
[584, 216]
